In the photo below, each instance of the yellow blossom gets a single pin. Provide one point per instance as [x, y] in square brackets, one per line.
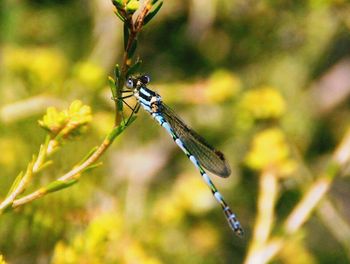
[270, 150]
[44, 66]
[89, 74]
[263, 103]
[222, 85]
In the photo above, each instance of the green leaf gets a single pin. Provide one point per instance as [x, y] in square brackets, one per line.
[134, 68]
[126, 35]
[111, 83]
[117, 71]
[90, 153]
[15, 183]
[45, 165]
[93, 166]
[118, 4]
[59, 185]
[152, 13]
[119, 129]
[120, 16]
[120, 106]
[132, 49]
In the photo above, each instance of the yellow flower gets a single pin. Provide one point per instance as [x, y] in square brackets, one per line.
[270, 150]
[2, 261]
[263, 103]
[189, 194]
[89, 74]
[71, 121]
[135, 253]
[44, 66]
[223, 85]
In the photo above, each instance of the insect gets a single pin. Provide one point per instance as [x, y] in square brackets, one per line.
[198, 151]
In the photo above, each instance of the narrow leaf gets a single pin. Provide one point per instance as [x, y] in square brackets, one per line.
[93, 166]
[45, 165]
[90, 153]
[132, 49]
[119, 129]
[59, 185]
[15, 183]
[126, 35]
[111, 84]
[152, 13]
[134, 68]
[118, 4]
[120, 105]
[117, 71]
[120, 16]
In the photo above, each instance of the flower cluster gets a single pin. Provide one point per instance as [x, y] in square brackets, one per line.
[271, 151]
[66, 123]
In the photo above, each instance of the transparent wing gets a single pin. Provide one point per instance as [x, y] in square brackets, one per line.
[210, 158]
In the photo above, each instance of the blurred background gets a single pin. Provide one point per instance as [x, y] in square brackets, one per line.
[266, 82]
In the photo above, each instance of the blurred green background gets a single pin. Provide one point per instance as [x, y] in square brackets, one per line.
[239, 72]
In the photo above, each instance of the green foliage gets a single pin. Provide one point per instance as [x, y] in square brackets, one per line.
[59, 185]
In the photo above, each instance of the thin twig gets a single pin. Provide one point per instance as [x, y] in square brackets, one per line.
[265, 216]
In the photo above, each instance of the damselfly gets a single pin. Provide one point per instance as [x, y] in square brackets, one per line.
[199, 152]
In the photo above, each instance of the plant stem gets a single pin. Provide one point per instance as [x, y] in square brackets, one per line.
[135, 28]
[266, 202]
[75, 172]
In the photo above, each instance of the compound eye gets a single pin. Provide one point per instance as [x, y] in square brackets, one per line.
[145, 79]
[129, 83]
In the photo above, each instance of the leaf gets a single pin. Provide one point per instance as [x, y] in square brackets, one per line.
[117, 71]
[152, 13]
[45, 165]
[118, 4]
[15, 183]
[120, 106]
[119, 129]
[120, 16]
[91, 167]
[90, 153]
[134, 68]
[126, 36]
[111, 83]
[132, 49]
[59, 185]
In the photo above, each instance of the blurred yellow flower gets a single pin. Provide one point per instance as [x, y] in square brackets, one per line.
[193, 195]
[134, 253]
[89, 74]
[44, 66]
[103, 122]
[2, 261]
[189, 195]
[7, 146]
[263, 103]
[296, 252]
[211, 240]
[167, 210]
[93, 245]
[270, 151]
[222, 86]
